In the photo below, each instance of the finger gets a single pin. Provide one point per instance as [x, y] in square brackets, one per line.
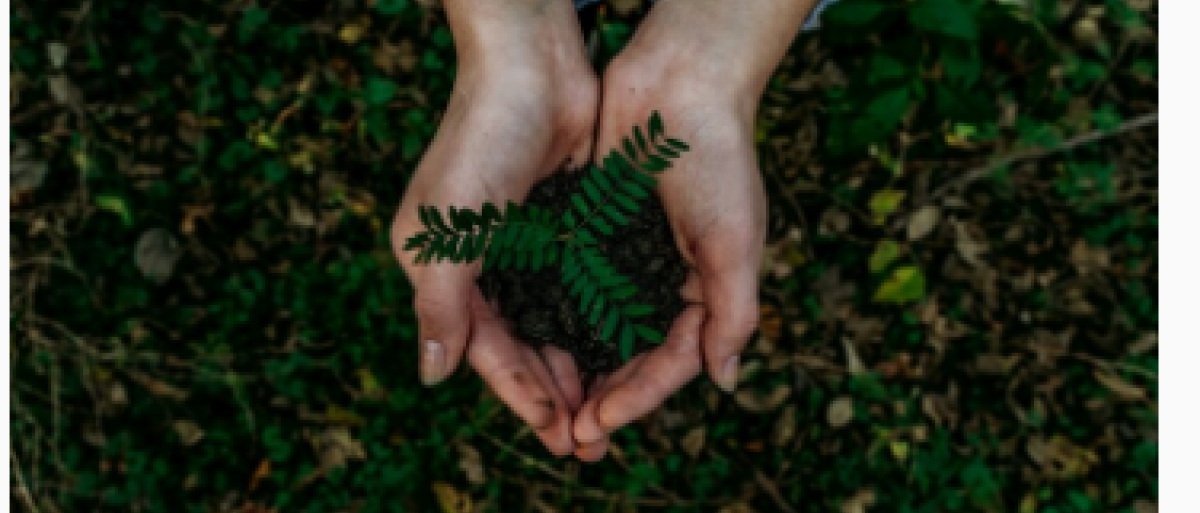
[594, 451]
[730, 289]
[557, 438]
[586, 427]
[443, 319]
[663, 371]
[520, 380]
[566, 375]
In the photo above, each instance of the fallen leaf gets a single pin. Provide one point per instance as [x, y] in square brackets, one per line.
[471, 463]
[1121, 388]
[923, 222]
[886, 201]
[905, 285]
[755, 402]
[158, 387]
[841, 412]
[785, 427]
[28, 172]
[63, 91]
[116, 205]
[859, 502]
[693, 441]
[886, 252]
[451, 499]
[156, 254]
[260, 473]
[189, 433]
[853, 362]
[57, 52]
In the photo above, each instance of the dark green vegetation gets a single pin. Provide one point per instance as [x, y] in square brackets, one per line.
[527, 238]
[959, 311]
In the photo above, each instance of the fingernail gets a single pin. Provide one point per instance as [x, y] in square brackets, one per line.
[432, 362]
[729, 374]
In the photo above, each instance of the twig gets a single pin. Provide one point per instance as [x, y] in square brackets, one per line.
[22, 489]
[1036, 153]
[772, 491]
[791, 201]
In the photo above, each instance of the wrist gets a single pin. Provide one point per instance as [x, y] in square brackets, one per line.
[731, 49]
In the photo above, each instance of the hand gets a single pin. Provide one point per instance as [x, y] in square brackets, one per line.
[524, 102]
[703, 66]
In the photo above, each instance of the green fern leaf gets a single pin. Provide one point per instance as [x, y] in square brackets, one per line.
[597, 310]
[630, 150]
[490, 214]
[584, 236]
[589, 293]
[677, 144]
[438, 221]
[649, 333]
[416, 241]
[656, 125]
[593, 194]
[624, 292]
[580, 205]
[610, 325]
[614, 215]
[604, 227]
[625, 345]
[635, 311]
[667, 151]
[640, 138]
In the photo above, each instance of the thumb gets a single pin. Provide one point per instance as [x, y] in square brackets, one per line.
[730, 291]
[442, 305]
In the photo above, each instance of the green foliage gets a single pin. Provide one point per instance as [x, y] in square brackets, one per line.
[529, 237]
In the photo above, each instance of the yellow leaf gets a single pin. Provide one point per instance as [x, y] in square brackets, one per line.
[338, 415]
[264, 140]
[451, 499]
[899, 449]
[350, 34]
[884, 202]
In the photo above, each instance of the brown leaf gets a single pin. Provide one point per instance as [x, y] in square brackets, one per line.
[471, 463]
[189, 432]
[1122, 389]
[759, 403]
[859, 502]
[260, 473]
[923, 222]
[785, 427]
[157, 387]
[693, 441]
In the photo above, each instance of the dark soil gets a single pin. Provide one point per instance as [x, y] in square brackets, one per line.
[540, 310]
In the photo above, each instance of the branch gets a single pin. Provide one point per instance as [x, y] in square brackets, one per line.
[1037, 153]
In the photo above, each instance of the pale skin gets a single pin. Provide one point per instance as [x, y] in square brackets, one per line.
[525, 101]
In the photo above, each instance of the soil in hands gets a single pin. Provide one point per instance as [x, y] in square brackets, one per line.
[541, 311]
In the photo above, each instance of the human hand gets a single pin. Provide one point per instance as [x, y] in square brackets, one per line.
[703, 66]
[524, 101]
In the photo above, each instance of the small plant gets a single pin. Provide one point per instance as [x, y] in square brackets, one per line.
[530, 238]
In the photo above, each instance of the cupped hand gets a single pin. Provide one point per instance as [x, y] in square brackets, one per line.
[703, 66]
[523, 104]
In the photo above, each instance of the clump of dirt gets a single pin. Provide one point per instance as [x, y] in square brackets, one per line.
[540, 309]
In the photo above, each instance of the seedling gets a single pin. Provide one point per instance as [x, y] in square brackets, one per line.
[531, 238]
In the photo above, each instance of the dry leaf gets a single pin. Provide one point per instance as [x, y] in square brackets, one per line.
[859, 502]
[841, 411]
[189, 432]
[158, 387]
[759, 403]
[260, 473]
[785, 427]
[451, 499]
[853, 362]
[1121, 388]
[923, 222]
[471, 463]
[63, 91]
[156, 254]
[693, 442]
[28, 173]
[57, 53]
